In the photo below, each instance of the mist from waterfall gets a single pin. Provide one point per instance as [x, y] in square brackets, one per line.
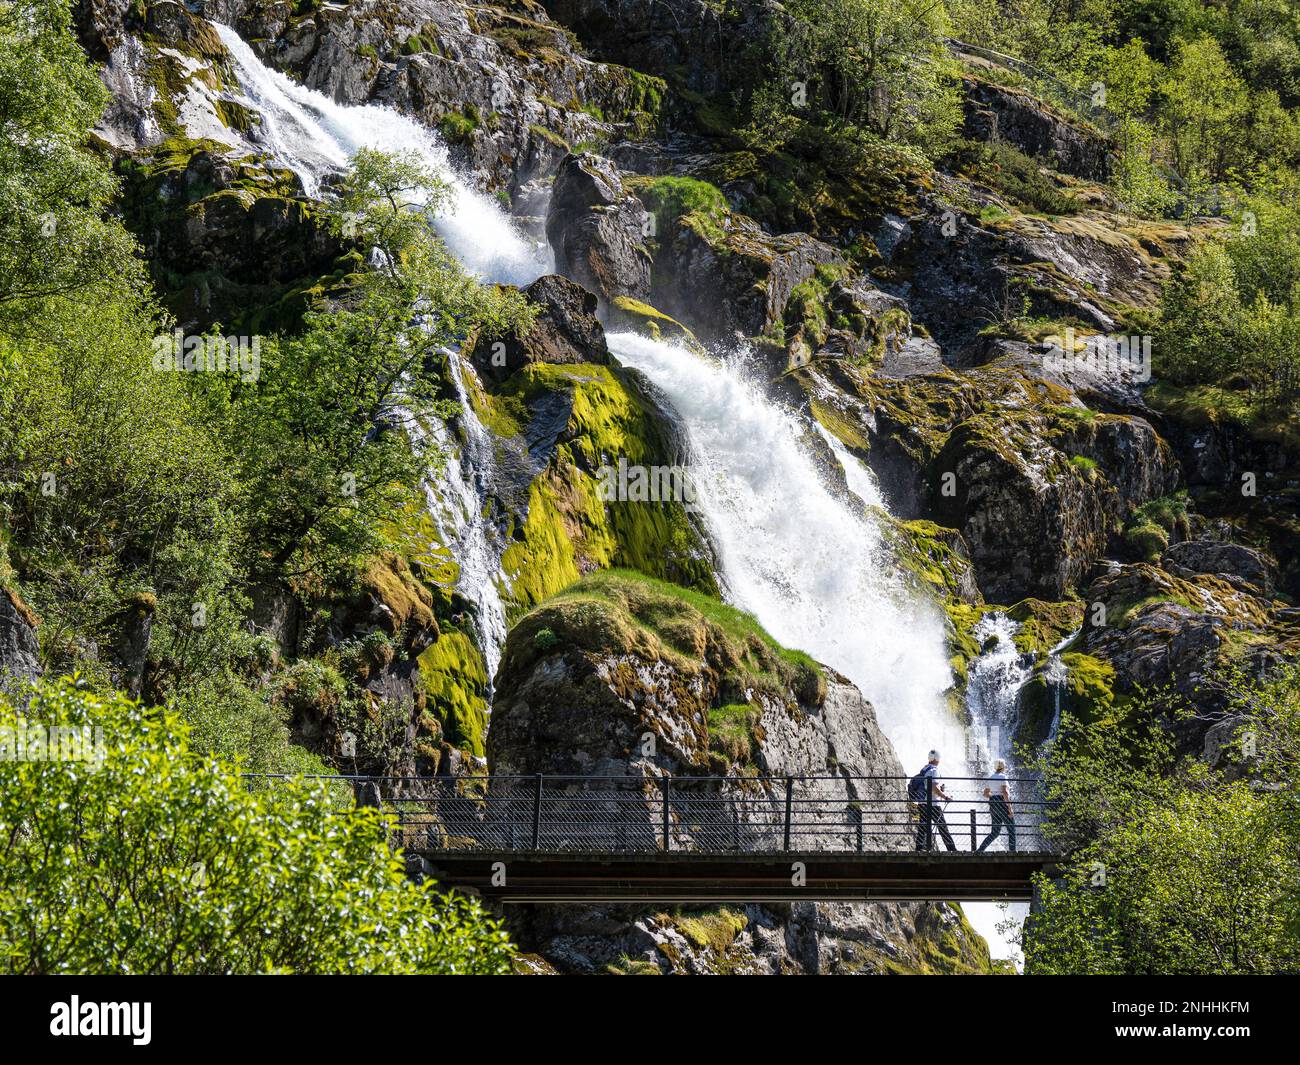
[810, 565]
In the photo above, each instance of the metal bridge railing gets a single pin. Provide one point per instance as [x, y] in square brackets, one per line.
[643, 814]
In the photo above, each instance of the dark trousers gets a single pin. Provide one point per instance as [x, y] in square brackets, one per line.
[931, 818]
[1001, 817]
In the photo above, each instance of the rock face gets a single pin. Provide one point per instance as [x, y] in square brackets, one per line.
[1035, 482]
[565, 331]
[995, 112]
[19, 651]
[620, 676]
[598, 229]
[727, 276]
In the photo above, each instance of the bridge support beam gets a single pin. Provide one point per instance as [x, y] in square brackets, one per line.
[686, 877]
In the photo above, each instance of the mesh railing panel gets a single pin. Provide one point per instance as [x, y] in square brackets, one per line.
[628, 815]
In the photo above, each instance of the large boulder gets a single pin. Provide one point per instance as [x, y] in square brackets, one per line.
[724, 276]
[597, 229]
[998, 113]
[628, 678]
[1034, 481]
[565, 331]
[1241, 566]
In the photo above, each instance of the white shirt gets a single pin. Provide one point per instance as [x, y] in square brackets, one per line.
[997, 784]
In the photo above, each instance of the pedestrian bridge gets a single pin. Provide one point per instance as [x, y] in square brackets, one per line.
[552, 838]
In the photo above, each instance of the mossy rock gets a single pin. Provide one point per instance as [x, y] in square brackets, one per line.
[628, 313]
[570, 527]
[454, 680]
[1087, 694]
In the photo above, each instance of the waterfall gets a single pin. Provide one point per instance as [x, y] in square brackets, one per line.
[810, 565]
[315, 137]
[457, 504]
[993, 686]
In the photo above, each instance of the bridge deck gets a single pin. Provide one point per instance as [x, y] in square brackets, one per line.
[687, 877]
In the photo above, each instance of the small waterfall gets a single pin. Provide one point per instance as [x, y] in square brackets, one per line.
[993, 687]
[861, 481]
[457, 502]
[315, 137]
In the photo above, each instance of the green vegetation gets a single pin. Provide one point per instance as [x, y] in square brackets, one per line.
[177, 505]
[160, 860]
[1179, 867]
[1231, 319]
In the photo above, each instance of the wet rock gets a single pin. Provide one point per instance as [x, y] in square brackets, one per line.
[566, 330]
[598, 229]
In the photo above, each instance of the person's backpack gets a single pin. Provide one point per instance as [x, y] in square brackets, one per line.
[917, 786]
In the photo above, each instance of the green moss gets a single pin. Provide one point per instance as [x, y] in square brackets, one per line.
[648, 320]
[454, 680]
[458, 127]
[550, 136]
[570, 528]
[1043, 625]
[714, 931]
[735, 732]
[1087, 693]
[619, 611]
[672, 198]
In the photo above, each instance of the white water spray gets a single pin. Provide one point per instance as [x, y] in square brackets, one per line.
[809, 565]
[315, 137]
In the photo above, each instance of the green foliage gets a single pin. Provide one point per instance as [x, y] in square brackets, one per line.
[1177, 868]
[56, 246]
[671, 198]
[1012, 173]
[160, 861]
[876, 65]
[1232, 317]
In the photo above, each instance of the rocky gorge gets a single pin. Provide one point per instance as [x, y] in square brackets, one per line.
[853, 358]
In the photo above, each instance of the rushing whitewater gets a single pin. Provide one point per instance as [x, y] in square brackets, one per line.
[314, 136]
[810, 566]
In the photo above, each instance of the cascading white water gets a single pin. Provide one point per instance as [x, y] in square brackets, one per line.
[314, 136]
[456, 504]
[808, 564]
[993, 686]
[860, 479]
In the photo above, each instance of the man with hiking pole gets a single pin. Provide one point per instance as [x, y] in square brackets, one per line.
[923, 794]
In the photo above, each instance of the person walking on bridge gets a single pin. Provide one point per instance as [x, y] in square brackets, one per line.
[998, 794]
[924, 792]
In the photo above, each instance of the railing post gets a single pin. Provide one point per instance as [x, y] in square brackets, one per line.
[537, 814]
[789, 808]
[666, 783]
[972, 829]
[929, 814]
